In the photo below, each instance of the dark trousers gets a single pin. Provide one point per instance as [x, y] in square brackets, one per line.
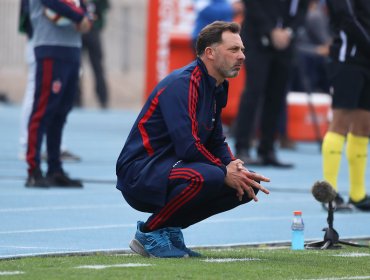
[56, 84]
[196, 191]
[91, 42]
[263, 98]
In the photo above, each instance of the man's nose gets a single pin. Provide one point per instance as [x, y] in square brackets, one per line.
[241, 55]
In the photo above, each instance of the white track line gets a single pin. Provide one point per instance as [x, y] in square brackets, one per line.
[352, 255]
[65, 207]
[4, 273]
[100, 266]
[67, 229]
[122, 252]
[224, 260]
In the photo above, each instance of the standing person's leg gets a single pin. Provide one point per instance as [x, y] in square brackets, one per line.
[356, 152]
[44, 107]
[272, 108]
[67, 71]
[27, 99]
[357, 146]
[27, 104]
[345, 100]
[333, 144]
[257, 68]
[95, 50]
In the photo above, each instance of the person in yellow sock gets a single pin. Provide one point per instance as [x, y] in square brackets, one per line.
[349, 72]
[332, 149]
[356, 151]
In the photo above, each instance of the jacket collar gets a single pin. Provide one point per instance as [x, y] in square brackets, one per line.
[210, 80]
[221, 92]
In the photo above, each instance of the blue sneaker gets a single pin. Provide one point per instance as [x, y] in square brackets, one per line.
[154, 244]
[177, 239]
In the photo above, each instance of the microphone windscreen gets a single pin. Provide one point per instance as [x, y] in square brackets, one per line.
[323, 192]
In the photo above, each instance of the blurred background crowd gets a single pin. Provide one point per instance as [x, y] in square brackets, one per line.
[124, 43]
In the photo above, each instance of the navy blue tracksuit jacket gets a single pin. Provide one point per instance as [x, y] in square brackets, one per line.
[179, 123]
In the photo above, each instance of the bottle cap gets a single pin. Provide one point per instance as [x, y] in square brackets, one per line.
[298, 212]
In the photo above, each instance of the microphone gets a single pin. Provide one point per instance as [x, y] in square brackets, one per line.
[323, 192]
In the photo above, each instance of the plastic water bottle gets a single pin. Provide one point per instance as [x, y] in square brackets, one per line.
[297, 231]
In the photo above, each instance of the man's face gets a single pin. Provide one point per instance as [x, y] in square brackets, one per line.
[229, 55]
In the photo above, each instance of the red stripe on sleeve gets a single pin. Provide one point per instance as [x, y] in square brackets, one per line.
[144, 134]
[193, 99]
[71, 4]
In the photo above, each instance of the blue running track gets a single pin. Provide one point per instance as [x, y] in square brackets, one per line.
[96, 218]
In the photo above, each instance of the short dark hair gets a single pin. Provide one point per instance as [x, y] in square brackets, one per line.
[212, 34]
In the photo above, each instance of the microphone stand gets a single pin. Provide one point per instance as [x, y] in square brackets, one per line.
[331, 237]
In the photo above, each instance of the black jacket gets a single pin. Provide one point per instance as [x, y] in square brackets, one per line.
[350, 22]
[261, 16]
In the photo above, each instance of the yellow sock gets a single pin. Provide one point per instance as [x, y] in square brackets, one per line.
[356, 152]
[332, 148]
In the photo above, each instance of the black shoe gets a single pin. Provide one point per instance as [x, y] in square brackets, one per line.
[36, 180]
[270, 160]
[61, 179]
[363, 204]
[338, 204]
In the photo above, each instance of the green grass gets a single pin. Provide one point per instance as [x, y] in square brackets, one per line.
[258, 263]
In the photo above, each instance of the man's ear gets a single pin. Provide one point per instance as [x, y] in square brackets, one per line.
[210, 53]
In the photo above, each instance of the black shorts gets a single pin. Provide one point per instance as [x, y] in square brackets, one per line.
[350, 86]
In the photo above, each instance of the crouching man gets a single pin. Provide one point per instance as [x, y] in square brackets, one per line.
[175, 163]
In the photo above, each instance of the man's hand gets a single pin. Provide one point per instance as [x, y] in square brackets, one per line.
[242, 180]
[85, 25]
[281, 37]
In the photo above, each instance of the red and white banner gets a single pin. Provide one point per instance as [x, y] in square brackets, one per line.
[166, 18]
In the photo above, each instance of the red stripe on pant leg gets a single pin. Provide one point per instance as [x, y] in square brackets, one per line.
[188, 193]
[34, 124]
[189, 196]
[187, 173]
[173, 203]
[168, 211]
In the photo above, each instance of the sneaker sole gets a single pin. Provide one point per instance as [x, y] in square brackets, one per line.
[136, 246]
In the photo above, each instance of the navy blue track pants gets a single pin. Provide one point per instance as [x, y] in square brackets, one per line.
[56, 85]
[196, 191]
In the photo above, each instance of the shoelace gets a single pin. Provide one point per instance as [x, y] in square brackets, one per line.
[159, 239]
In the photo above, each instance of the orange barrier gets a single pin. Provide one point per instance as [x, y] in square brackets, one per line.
[301, 126]
[151, 48]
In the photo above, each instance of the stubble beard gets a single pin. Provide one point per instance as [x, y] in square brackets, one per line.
[229, 73]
